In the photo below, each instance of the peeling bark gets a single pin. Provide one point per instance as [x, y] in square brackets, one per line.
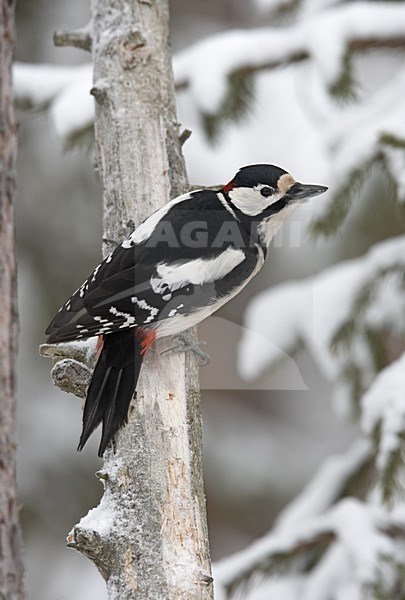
[148, 536]
[11, 568]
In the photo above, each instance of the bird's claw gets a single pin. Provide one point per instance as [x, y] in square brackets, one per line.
[186, 344]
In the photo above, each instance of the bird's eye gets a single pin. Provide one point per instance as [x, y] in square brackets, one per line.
[266, 191]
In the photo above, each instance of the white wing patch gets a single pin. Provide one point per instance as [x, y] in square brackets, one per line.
[147, 227]
[171, 277]
[250, 201]
[183, 322]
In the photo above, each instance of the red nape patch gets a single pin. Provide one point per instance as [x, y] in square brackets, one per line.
[147, 337]
[228, 187]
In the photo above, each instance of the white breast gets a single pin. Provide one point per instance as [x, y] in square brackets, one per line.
[270, 227]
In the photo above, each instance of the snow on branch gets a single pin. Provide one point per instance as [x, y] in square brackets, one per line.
[347, 306]
[318, 496]
[327, 485]
[266, 555]
[217, 71]
[90, 535]
[364, 561]
[366, 133]
[64, 90]
[383, 419]
[363, 535]
[326, 38]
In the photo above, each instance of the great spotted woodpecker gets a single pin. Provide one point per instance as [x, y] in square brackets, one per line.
[179, 266]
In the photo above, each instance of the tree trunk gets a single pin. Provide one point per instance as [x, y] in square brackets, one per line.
[11, 568]
[148, 536]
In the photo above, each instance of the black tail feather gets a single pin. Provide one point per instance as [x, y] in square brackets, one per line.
[93, 411]
[112, 387]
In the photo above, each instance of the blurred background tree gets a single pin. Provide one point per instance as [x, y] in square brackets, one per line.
[317, 88]
[11, 567]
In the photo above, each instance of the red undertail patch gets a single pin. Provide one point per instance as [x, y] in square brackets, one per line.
[147, 337]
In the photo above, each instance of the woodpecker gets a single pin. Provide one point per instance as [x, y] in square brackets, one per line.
[175, 269]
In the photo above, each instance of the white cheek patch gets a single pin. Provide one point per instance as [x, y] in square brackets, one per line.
[250, 201]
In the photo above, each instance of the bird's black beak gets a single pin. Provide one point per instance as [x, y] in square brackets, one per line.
[300, 191]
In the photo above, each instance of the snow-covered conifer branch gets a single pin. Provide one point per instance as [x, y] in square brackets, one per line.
[327, 313]
[364, 537]
[343, 30]
[383, 419]
[358, 138]
[335, 210]
[273, 553]
[64, 90]
[328, 485]
[217, 72]
[339, 315]
[36, 86]
[368, 133]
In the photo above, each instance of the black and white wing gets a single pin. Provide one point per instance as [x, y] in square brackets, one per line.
[151, 281]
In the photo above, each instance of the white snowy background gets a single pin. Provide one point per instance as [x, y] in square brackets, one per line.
[295, 403]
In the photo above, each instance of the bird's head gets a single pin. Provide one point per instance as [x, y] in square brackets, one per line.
[266, 195]
[264, 190]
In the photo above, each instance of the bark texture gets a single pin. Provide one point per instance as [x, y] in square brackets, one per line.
[148, 536]
[11, 569]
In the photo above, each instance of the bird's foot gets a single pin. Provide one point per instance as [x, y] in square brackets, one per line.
[186, 344]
